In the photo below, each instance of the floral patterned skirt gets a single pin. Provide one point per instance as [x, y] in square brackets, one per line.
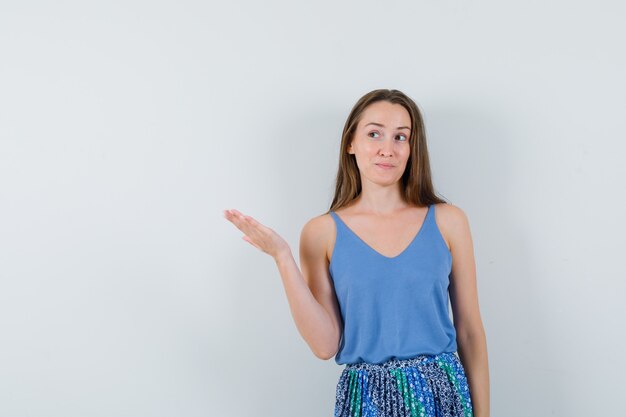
[422, 386]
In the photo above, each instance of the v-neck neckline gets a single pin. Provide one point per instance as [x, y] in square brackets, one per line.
[419, 232]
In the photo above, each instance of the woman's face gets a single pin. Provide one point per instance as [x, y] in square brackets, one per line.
[381, 142]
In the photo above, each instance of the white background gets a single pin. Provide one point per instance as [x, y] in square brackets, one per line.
[127, 127]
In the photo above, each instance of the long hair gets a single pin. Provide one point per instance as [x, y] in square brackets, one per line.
[417, 187]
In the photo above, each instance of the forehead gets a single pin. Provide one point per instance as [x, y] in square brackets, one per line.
[390, 114]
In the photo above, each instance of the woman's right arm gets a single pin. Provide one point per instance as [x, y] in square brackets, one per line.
[310, 293]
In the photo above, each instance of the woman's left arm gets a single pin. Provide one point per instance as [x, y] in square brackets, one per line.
[471, 339]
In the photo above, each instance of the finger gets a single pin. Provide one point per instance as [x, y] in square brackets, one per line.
[237, 218]
[249, 219]
[236, 212]
[229, 216]
[239, 223]
[250, 226]
[247, 224]
[243, 220]
[255, 224]
[231, 213]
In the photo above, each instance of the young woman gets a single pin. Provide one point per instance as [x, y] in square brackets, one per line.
[378, 270]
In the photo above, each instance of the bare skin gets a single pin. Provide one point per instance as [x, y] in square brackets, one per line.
[387, 224]
[308, 294]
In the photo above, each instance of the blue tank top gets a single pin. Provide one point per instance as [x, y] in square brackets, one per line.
[392, 307]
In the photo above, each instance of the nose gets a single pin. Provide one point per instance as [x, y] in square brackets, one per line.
[386, 147]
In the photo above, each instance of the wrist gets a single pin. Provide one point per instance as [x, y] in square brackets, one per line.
[283, 256]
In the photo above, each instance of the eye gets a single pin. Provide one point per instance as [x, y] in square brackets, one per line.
[405, 138]
[371, 133]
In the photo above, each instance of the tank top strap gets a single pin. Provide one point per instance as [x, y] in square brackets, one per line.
[430, 216]
[343, 234]
[339, 225]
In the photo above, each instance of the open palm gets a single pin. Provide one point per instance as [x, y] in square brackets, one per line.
[258, 235]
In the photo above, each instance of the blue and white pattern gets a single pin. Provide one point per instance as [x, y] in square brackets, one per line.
[422, 386]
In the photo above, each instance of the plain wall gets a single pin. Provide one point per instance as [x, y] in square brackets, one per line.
[127, 127]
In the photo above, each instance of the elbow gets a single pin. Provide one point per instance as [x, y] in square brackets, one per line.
[328, 346]
[326, 352]
[325, 355]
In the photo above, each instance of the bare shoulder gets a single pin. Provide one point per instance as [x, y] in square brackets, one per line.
[314, 244]
[318, 235]
[452, 222]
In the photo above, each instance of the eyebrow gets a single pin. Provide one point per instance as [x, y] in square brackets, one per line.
[381, 125]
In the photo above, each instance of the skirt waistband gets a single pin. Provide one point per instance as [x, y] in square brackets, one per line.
[395, 363]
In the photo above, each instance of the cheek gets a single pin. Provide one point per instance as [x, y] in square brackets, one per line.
[368, 147]
[405, 156]
[402, 150]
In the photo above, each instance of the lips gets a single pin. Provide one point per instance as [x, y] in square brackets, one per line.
[385, 165]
